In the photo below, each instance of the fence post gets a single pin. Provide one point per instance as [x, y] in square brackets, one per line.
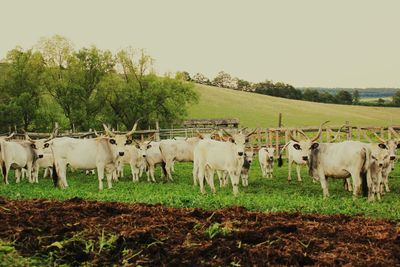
[270, 138]
[157, 135]
[358, 133]
[286, 141]
[348, 130]
[277, 140]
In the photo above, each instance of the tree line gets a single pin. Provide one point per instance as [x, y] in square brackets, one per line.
[280, 89]
[81, 89]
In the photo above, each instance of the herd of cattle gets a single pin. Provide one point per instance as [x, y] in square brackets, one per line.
[361, 165]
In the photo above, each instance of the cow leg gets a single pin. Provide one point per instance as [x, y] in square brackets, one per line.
[386, 181]
[324, 185]
[235, 182]
[200, 177]
[62, 176]
[29, 173]
[245, 181]
[298, 169]
[210, 179]
[220, 178]
[289, 178]
[18, 174]
[356, 180]
[194, 173]
[263, 169]
[169, 165]
[349, 185]
[110, 170]
[151, 169]
[100, 175]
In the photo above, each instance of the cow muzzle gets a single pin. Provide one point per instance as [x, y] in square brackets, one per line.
[392, 157]
[40, 156]
[144, 156]
[271, 158]
[121, 153]
[240, 153]
[305, 158]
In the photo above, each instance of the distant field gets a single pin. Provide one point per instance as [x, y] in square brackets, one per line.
[255, 110]
[375, 99]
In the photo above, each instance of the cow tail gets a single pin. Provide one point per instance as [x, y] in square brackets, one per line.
[55, 175]
[280, 161]
[164, 170]
[365, 171]
[4, 170]
[3, 164]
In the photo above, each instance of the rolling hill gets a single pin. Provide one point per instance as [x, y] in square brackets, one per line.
[256, 110]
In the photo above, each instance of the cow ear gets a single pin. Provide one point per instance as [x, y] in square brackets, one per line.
[383, 146]
[314, 146]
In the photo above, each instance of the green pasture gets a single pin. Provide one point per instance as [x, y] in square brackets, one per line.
[256, 110]
[262, 194]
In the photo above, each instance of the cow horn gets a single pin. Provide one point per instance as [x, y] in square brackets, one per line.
[379, 138]
[27, 138]
[396, 134]
[107, 131]
[291, 137]
[367, 137]
[303, 133]
[252, 132]
[10, 136]
[52, 135]
[227, 133]
[319, 132]
[96, 133]
[133, 128]
[338, 132]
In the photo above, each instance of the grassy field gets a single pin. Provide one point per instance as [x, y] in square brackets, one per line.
[261, 195]
[255, 110]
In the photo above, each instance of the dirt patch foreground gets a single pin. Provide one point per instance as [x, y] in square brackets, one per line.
[106, 233]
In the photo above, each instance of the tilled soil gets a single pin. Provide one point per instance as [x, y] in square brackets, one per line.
[107, 233]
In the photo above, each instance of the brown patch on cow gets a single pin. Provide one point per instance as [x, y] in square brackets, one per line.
[154, 235]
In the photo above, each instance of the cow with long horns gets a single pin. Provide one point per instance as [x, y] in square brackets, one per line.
[211, 155]
[101, 153]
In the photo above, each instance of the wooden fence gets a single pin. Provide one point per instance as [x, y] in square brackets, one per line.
[276, 137]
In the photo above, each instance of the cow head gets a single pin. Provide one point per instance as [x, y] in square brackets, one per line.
[41, 146]
[379, 154]
[117, 142]
[270, 152]
[239, 140]
[249, 154]
[142, 147]
[392, 145]
[304, 147]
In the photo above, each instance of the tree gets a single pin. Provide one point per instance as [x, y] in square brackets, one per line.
[243, 85]
[344, 97]
[137, 92]
[356, 97]
[183, 75]
[396, 99]
[201, 79]
[225, 80]
[72, 78]
[311, 95]
[21, 88]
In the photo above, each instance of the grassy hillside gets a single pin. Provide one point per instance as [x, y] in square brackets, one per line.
[255, 110]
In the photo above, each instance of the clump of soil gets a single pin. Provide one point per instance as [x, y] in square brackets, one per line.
[106, 233]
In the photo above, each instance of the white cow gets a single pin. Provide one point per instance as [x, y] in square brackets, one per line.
[296, 153]
[266, 159]
[153, 158]
[17, 155]
[181, 150]
[211, 155]
[338, 160]
[101, 153]
[44, 154]
[379, 161]
[392, 145]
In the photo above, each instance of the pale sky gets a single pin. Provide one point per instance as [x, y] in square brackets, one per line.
[338, 43]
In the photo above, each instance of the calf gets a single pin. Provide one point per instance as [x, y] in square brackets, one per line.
[153, 158]
[266, 159]
[248, 158]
